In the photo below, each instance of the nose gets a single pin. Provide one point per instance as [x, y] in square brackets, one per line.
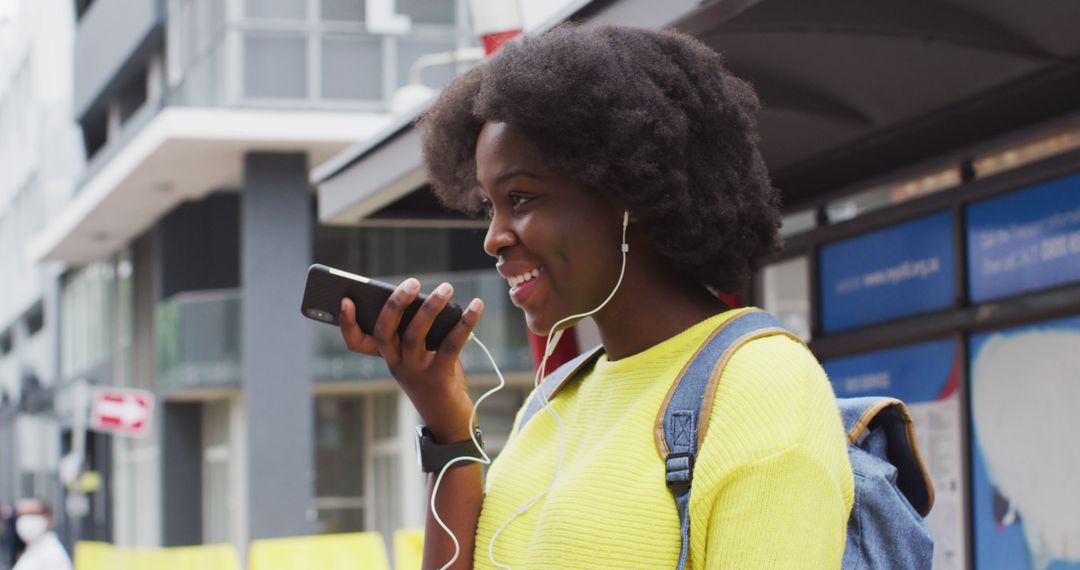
[499, 236]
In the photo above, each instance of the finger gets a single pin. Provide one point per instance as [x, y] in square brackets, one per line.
[386, 326]
[413, 339]
[455, 340]
[355, 339]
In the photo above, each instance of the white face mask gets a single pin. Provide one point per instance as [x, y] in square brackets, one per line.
[30, 527]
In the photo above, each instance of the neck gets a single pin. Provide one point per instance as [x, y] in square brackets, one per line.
[652, 306]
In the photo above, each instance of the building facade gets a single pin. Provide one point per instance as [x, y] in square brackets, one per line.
[179, 256]
[40, 158]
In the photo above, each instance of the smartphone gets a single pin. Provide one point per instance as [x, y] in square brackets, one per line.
[326, 287]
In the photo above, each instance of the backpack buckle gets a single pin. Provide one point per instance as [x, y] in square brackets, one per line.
[680, 471]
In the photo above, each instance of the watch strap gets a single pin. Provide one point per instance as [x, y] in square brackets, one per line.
[434, 456]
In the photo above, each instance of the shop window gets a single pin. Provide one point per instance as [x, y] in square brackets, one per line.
[786, 294]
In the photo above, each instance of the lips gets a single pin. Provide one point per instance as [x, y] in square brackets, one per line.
[522, 281]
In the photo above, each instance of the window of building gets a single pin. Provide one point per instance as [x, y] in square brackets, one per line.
[343, 10]
[275, 66]
[34, 319]
[6, 343]
[95, 131]
[342, 58]
[132, 96]
[798, 222]
[276, 9]
[341, 429]
[786, 294]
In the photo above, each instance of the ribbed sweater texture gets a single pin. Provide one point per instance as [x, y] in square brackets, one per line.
[772, 485]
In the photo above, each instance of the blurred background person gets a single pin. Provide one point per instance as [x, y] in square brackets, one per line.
[34, 525]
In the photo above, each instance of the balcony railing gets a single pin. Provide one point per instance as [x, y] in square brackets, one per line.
[198, 340]
[198, 337]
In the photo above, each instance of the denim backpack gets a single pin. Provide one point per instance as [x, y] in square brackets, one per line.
[893, 491]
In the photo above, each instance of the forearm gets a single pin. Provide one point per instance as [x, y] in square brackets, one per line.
[458, 503]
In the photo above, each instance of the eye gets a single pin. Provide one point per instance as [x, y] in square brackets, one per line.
[486, 209]
[517, 199]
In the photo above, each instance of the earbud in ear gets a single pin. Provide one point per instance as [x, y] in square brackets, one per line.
[625, 223]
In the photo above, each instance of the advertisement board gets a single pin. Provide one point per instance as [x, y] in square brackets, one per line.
[926, 377]
[894, 272]
[1025, 458]
[1025, 240]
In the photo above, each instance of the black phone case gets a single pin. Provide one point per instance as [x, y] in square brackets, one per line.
[324, 291]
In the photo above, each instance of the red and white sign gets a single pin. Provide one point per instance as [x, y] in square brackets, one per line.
[124, 411]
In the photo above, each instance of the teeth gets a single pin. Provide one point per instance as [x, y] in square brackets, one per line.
[527, 276]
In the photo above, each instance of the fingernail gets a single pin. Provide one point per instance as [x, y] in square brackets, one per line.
[475, 305]
[412, 285]
[442, 290]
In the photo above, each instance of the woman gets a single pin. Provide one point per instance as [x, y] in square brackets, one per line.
[554, 139]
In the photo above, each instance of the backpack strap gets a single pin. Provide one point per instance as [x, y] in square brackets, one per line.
[684, 416]
[891, 416]
[556, 380]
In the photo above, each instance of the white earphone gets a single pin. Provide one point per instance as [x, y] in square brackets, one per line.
[552, 342]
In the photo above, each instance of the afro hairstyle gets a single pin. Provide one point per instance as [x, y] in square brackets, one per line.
[650, 119]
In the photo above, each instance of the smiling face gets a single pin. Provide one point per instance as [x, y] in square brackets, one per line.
[556, 242]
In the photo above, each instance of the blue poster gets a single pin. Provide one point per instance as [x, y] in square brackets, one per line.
[915, 374]
[894, 272]
[1024, 241]
[1025, 458]
[927, 378]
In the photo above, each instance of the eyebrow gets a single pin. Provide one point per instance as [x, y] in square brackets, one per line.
[512, 174]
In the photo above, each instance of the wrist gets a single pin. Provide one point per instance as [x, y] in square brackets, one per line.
[434, 455]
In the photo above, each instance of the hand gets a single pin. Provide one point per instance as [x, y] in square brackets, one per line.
[433, 380]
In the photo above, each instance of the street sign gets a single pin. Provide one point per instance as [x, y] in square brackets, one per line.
[122, 411]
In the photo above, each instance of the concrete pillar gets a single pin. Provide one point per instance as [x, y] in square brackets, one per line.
[275, 251]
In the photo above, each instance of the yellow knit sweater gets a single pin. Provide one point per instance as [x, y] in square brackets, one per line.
[772, 484]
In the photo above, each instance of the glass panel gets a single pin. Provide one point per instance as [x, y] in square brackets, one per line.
[278, 9]
[198, 340]
[351, 10]
[798, 222]
[428, 11]
[352, 68]
[385, 416]
[495, 416]
[336, 520]
[339, 448]
[275, 66]
[786, 294]
[411, 48]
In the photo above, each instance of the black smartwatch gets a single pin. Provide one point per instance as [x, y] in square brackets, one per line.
[433, 456]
